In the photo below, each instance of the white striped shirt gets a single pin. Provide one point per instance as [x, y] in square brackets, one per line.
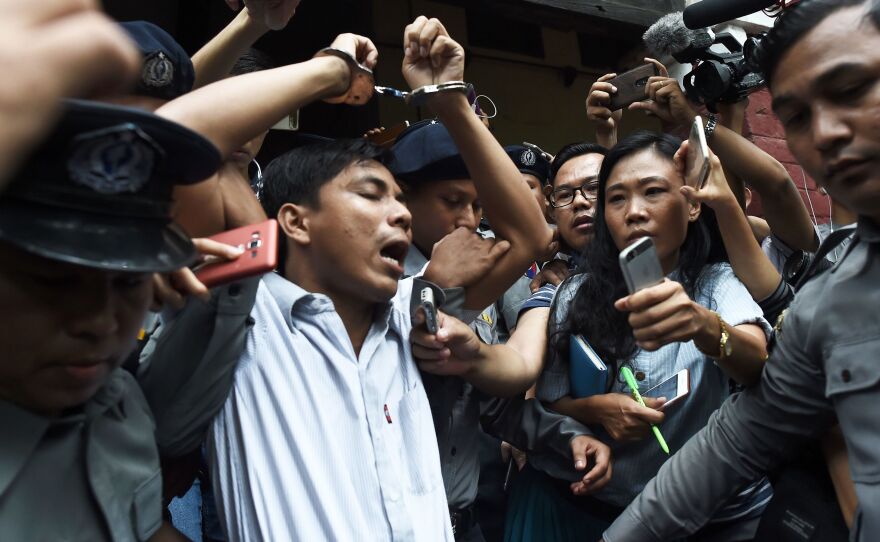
[315, 443]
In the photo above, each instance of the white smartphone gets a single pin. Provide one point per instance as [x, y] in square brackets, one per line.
[640, 265]
[697, 158]
[673, 388]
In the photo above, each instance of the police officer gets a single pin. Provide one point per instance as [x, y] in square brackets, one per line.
[167, 71]
[441, 197]
[83, 227]
[823, 368]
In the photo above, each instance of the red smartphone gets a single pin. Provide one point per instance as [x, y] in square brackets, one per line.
[260, 242]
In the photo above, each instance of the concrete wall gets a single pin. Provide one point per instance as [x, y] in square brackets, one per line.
[534, 104]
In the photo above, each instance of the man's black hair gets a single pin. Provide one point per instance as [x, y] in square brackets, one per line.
[252, 61]
[795, 22]
[573, 150]
[298, 175]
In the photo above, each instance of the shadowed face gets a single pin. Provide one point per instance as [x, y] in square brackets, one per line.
[826, 92]
[65, 328]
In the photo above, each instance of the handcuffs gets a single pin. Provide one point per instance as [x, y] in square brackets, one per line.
[362, 85]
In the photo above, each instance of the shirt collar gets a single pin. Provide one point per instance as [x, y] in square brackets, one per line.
[290, 297]
[414, 261]
[23, 430]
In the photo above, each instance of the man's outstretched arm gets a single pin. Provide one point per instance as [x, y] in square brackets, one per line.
[750, 434]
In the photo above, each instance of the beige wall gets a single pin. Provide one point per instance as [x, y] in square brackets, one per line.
[533, 103]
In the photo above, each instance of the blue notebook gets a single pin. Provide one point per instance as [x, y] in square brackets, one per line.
[588, 374]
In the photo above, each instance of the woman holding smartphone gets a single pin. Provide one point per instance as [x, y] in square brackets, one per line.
[700, 318]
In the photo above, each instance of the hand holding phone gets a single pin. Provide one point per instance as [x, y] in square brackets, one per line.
[260, 245]
[640, 265]
[631, 86]
[696, 167]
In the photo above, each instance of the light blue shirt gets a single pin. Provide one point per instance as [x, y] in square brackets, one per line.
[316, 443]
[635, 463]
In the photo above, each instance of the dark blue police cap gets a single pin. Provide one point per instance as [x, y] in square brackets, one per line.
[167, 70]
[530, 160]
[97, 192]
[426, 152]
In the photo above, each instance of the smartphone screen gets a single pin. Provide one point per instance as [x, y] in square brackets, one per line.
[668, 388]
[697, 159]
[673, 388]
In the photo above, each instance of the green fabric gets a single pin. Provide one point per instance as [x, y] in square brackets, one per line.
[536, 512]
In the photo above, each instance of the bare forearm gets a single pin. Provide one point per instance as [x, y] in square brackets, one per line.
[747, 342]
[783, 207]
[501, 371]
[505, 197]
[216, 58]
[749, 263]
[607, 137]
[233, 111]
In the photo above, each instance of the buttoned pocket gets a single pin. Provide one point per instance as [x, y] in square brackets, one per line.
[419, 441]
[147, 507]
[853, 386]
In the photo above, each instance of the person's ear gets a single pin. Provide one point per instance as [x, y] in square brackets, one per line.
[294, 222]
[694, 210]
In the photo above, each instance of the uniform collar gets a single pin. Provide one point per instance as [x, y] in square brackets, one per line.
[868, 230]
[23, 430]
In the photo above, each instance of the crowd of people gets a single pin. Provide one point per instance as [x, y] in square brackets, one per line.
[325, 400]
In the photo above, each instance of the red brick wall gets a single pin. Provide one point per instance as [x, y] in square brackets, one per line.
[764, 129]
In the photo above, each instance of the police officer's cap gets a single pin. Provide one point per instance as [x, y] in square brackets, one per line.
[97, 192]
[530, 160]
[167, 70]
[426, 152]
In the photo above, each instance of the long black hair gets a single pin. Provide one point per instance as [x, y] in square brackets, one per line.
[591, 313]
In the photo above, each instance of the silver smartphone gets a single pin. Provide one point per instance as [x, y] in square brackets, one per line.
[697, 159]
[430, 308]
[640, 265]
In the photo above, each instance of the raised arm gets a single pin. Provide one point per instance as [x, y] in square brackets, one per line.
[432, 57]
[261, 98]
[216, 58]
[749, 263]
[783, 207]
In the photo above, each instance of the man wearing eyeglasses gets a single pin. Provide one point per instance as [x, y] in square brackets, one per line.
[574, 182]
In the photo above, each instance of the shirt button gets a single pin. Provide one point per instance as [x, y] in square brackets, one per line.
[453, 451]
[845, 375]
[640, 375]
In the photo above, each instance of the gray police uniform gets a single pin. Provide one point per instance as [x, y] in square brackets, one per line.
[460, 411]
[823, 368]
[90, 474]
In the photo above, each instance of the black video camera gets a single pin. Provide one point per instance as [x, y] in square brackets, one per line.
[720, 76]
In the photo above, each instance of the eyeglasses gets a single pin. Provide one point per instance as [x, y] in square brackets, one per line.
[564, 196]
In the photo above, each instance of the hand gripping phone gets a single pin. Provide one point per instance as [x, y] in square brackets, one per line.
[674, 388]
[260, 242]
[631, 86]
[640, 265]
[697, 159]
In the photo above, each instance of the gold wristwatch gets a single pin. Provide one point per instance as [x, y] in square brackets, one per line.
[725, 346]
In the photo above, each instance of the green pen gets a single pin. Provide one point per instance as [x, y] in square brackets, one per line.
[631, 382]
